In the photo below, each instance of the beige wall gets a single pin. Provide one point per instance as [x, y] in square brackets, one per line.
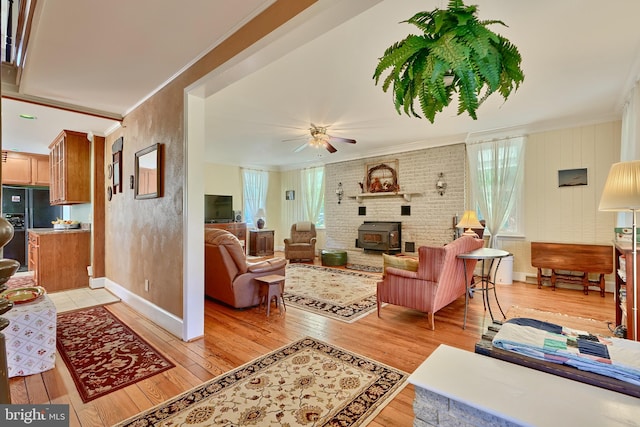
[567, 214]
[144, 238]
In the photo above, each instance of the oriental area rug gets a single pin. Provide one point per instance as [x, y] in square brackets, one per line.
[339, 294]
[307, 383]
[102, 354]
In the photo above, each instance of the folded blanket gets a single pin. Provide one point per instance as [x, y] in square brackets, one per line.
[610, 356]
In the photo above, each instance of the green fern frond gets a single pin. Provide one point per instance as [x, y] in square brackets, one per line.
[454, 41]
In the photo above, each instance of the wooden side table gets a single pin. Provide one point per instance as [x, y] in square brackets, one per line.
[270, 287]
[261, 242]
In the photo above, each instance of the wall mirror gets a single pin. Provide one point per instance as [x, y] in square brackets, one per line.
[148, 172]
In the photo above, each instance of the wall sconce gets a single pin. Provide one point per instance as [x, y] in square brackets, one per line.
[440, 184]
[339, 192]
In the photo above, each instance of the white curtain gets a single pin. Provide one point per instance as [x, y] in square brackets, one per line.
[496, 172]
[313, 194]
[254, 189]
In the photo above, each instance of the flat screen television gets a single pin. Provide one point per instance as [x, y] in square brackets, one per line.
[218, 208]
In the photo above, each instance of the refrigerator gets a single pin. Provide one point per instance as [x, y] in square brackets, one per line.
[25, 208]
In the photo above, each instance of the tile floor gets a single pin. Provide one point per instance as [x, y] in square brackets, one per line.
[75, 299]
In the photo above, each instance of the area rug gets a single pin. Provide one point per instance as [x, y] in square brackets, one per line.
[20, 281]
[339, 294]
[362, 267]
[596, 327]
[102, 354]
[307, 383]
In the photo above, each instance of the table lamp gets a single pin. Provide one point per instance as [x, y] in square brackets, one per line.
[469, 220]
[622, 193]
[260, 221]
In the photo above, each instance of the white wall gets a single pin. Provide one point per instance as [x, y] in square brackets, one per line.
[430, 222]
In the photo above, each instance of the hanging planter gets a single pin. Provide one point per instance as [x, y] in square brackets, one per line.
[455, 53]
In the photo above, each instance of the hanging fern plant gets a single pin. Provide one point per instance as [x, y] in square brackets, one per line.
[455, 53]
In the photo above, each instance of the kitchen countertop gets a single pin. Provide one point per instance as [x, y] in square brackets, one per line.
[55, 231]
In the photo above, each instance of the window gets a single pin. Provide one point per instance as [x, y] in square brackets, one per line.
[313, 194]
[497, 181]
[255, 184]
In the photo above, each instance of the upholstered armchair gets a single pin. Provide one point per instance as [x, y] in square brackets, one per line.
[439, 280]
[228, 277]
[301, 244]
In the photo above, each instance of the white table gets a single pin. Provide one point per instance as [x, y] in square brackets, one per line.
[31, 337]
[453, 384]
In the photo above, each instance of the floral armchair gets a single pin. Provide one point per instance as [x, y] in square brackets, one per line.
[301, 245]
[439, 280]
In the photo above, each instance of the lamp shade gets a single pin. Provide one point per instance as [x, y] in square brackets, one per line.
[469, 220]
[260, 213]
[622, 189]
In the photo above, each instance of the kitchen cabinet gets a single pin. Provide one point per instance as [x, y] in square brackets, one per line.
[25, 168]
[238, 229]
[70, 168]
[261, 242]
[59, 259]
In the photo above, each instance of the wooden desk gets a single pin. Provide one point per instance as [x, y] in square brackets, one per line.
[570, 257]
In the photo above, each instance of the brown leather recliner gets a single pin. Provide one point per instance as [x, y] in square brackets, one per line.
[228, 277]
[302, 243]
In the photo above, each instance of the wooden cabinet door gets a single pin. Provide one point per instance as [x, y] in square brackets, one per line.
[40, 169]
[17, 169]
[34, 248]
[70, 165]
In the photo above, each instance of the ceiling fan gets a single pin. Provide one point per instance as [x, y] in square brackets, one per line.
[320, 138]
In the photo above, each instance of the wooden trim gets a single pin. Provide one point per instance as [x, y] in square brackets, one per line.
[99, 204]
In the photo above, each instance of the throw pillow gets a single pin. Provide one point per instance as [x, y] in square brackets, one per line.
[401, 262]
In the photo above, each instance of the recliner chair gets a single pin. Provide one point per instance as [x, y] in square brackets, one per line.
[228, 277]
[301, 245]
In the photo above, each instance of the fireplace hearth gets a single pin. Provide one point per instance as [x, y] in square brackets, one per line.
[380, 236]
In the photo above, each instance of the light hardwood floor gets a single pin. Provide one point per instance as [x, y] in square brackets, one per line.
[399, 338]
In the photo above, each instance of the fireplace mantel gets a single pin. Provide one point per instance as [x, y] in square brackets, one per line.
[406, 195]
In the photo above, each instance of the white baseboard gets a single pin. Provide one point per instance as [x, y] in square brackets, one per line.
[96, 283]
[159, 316]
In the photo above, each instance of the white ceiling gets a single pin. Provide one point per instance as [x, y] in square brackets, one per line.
[580, 58]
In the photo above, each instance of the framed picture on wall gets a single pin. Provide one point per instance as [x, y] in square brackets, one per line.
[290, 195]
[572, 177]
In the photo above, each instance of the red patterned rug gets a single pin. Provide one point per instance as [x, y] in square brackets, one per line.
[103, 354]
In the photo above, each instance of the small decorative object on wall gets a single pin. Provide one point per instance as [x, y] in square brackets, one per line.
[405, 210]
[339, 192]
[382, 177]
[572, 177]
[441, 185]
[362, 210]
[290, 195]
[454, 52]
[116, 150]
[148, 170]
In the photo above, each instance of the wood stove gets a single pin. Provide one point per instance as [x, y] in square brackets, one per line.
[381, 236]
